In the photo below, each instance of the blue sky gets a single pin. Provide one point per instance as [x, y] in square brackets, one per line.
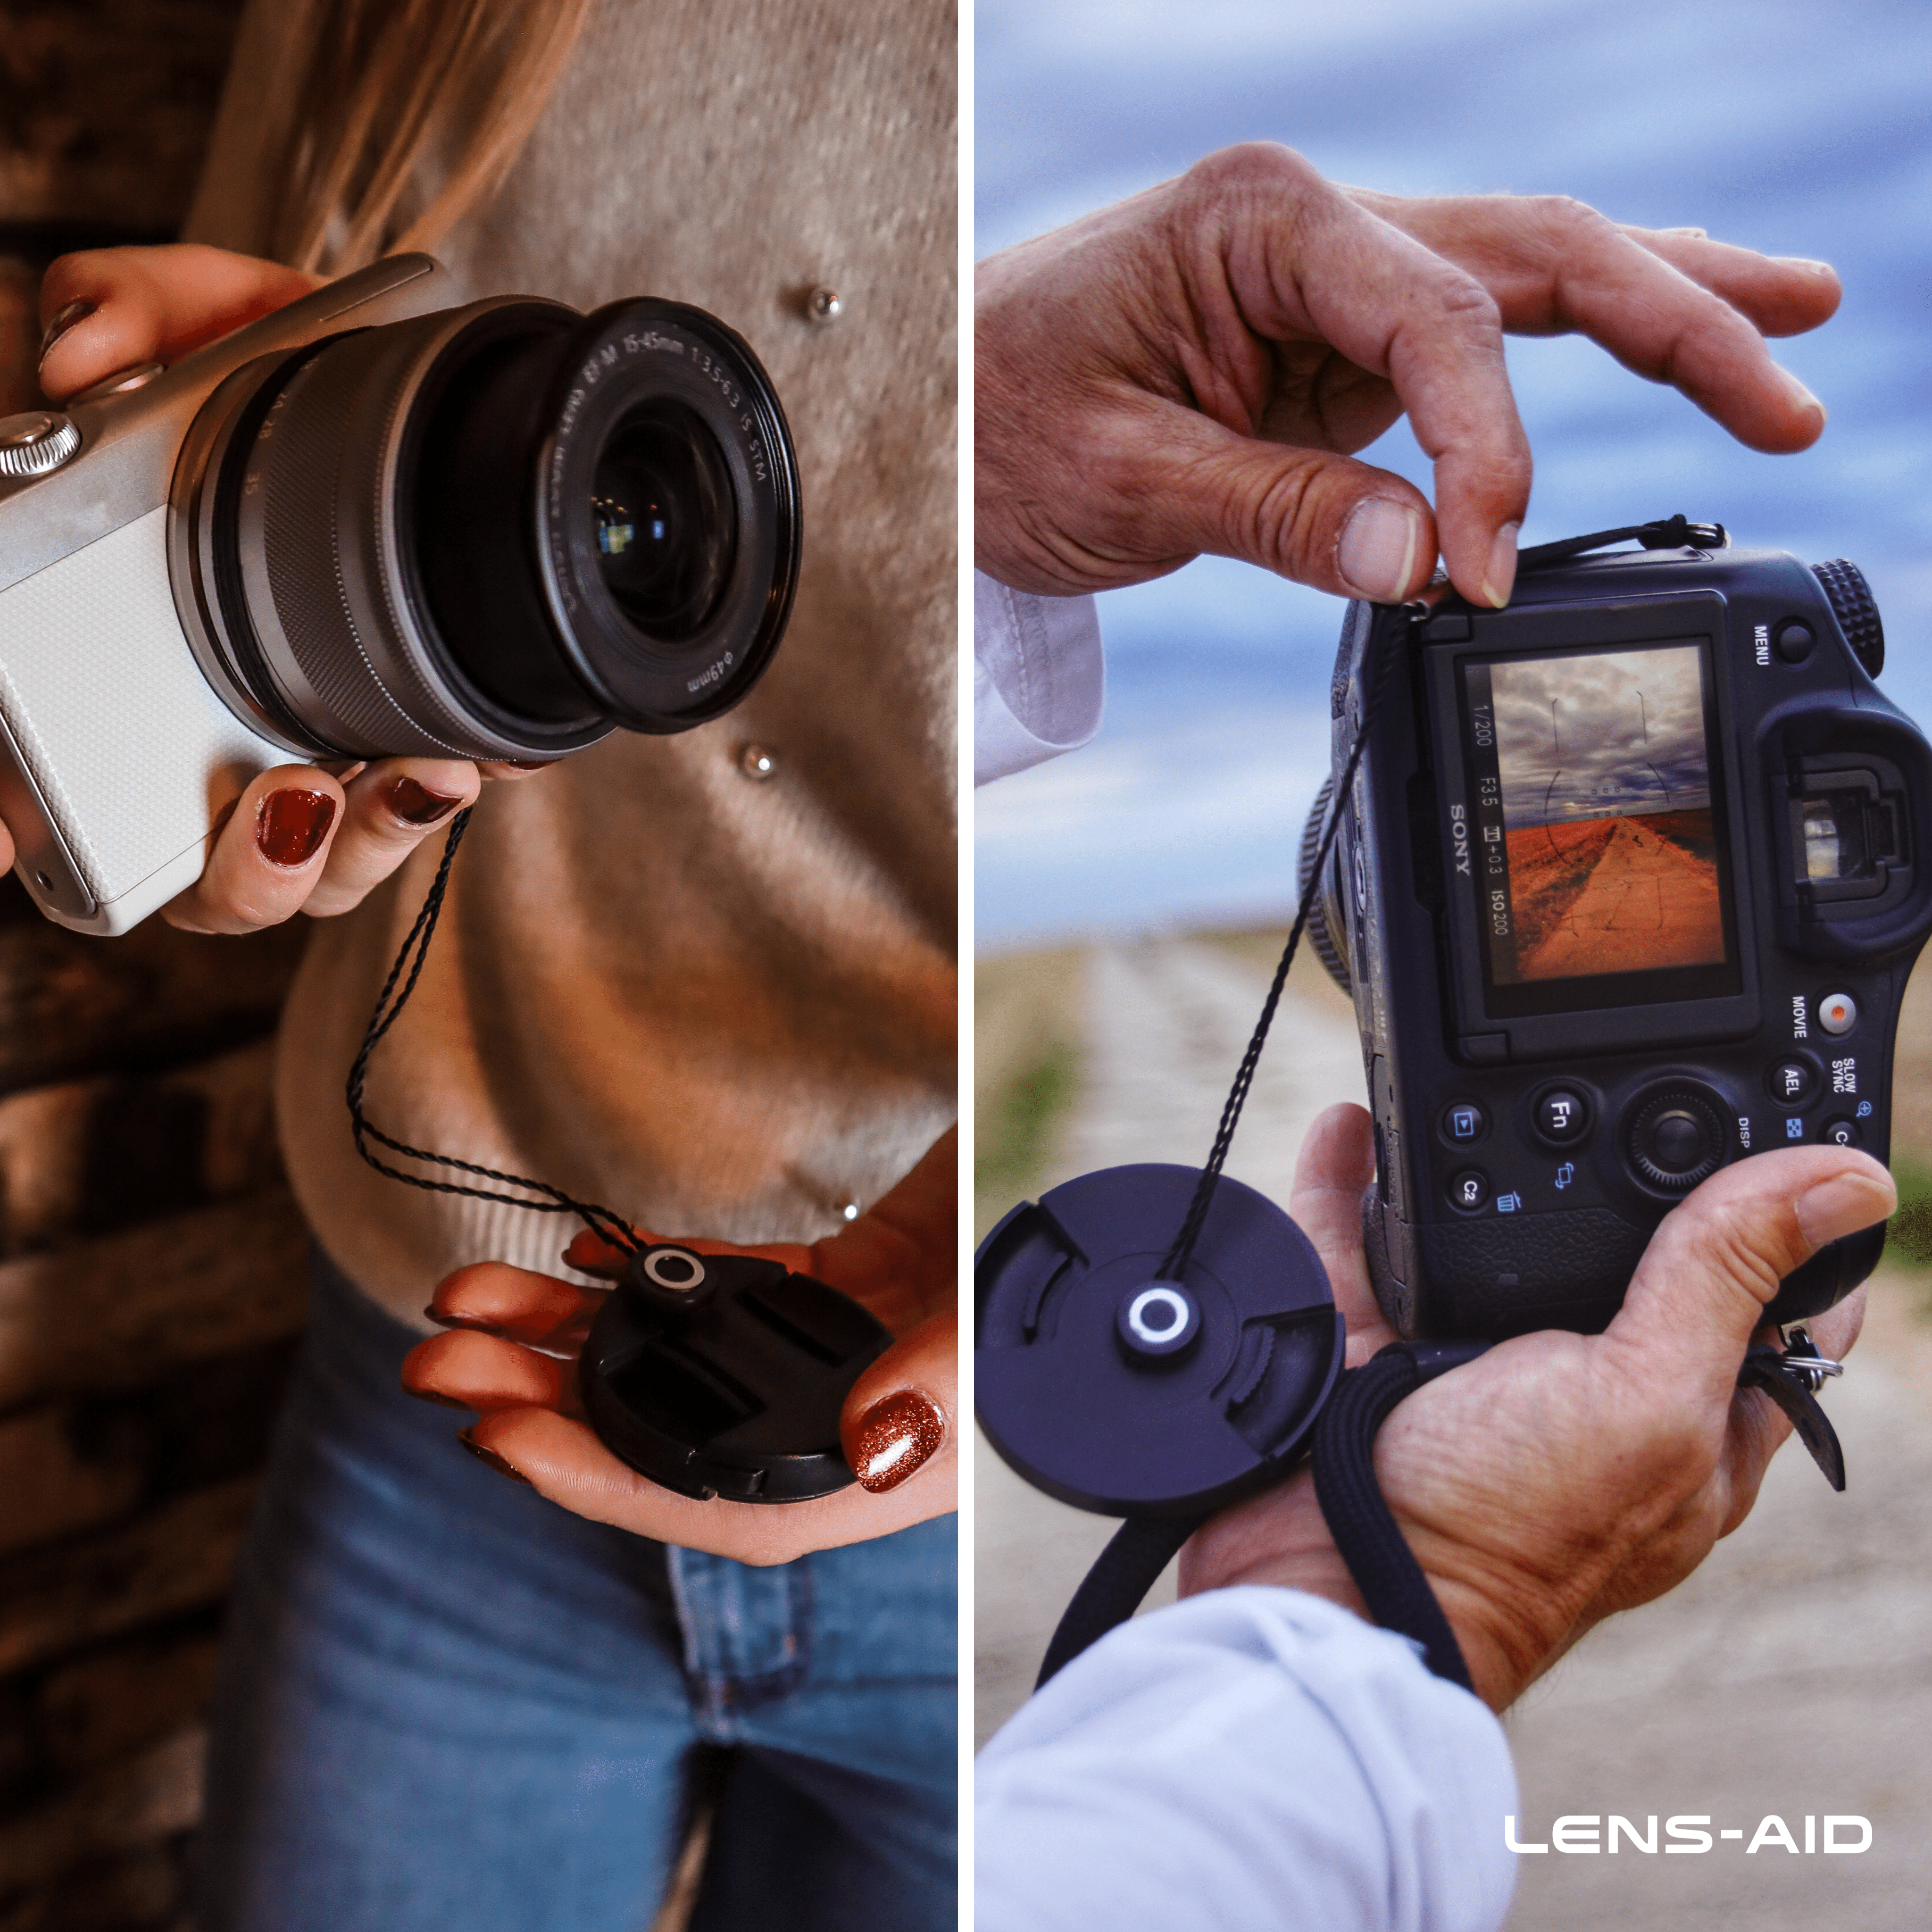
[1800, 129]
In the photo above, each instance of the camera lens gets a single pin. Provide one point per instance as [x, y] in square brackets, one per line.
[495, 532]
[666, 520]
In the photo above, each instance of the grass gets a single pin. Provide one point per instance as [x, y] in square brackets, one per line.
[1908, 1238]
[1012, 1135]
[1026, 1073]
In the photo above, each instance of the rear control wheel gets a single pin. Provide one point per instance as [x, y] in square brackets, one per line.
[1676, 1139]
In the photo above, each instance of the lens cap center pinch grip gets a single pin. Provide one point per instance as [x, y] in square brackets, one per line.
[724, 1375]
[1130, 1396]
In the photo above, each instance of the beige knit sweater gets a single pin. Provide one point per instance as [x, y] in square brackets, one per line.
[724, 1005]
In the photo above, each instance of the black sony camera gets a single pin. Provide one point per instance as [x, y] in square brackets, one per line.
[1627, 885]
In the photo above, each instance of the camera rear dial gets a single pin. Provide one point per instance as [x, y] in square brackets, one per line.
[1674, 1136]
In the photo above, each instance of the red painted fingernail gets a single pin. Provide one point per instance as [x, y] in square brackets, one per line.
[895, 1437]
[291, 825]
[64, 318]
[435, 1396]
[462, 1321]
[501, 1465]
[416, 804]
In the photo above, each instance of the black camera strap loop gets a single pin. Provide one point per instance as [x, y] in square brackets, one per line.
[1791, 1377]
[1676, 532]
[602, 1221]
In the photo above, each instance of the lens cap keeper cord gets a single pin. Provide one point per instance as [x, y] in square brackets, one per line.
[712, 1374]
[1394, 1589]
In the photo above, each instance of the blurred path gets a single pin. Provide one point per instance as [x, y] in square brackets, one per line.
[1647, 903]
[1166, 1025]
[1791, 1675]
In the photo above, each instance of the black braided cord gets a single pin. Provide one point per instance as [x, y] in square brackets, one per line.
[602, 1221]
[1110, 1593]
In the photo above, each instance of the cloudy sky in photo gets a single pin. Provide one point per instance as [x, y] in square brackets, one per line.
[1591, 737]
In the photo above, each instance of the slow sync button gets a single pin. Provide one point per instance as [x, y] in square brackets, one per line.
[1837, 1013]
[1790, 1082]
[1560, 1115]
[1470, 1189]
[1464, 1121]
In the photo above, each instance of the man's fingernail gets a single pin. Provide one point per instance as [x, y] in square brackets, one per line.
[1842, 1206]
[64, 318]
[1376, 556]
[1499, 579]
[896, 1436]
[1801, 396]
[1689, 234]
[528, 764]
[1805, 264]
[291, 825]
[437, 1397]
[501, 1465]
[415, 804]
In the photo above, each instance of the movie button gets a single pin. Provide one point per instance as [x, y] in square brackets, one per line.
[1561, 1115]
[1840, 1132]
[1791, 1081]
[1463, 1121]
[1470, 1189]
[1837, 1013]
[1794, 641]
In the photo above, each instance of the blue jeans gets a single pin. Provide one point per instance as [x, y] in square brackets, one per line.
[446, 1703]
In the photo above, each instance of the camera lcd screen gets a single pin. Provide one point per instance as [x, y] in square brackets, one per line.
[1603, 872]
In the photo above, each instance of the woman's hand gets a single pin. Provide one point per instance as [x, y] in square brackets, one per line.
[512, 1355]
[1561, 1477]
[1189, 371]
[298, 838]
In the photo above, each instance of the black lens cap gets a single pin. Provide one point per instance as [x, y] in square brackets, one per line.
[724, 1375]
[1129, 1396]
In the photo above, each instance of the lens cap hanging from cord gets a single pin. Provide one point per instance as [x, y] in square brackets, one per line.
[724, 1375]
[1131, 1395]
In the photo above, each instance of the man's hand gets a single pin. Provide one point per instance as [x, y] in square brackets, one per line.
[1561, 1477]
[298, 838]
[1188, 371]
[512, 1357]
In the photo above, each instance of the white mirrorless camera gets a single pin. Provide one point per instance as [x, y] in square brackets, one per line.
[374, 523]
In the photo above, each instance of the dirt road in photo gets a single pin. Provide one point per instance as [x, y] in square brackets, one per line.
[1648, 899]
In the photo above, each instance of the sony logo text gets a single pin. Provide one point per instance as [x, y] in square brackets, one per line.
[1576, 1831]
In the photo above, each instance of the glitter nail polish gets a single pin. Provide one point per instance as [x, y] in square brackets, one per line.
[896, 1437]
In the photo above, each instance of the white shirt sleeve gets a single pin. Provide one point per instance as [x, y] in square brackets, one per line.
[1252, 1758]
[1038, 681]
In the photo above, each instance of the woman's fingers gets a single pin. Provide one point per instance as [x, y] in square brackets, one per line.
[465, 1370]
[389, 808]
[107, 309]
[537, 1310]
[563, 1460]
[901, 1419]
[266, 857]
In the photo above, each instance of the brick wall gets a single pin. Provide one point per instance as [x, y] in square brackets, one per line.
[150, 1257]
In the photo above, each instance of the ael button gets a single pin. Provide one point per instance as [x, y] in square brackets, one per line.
[1790, 1082]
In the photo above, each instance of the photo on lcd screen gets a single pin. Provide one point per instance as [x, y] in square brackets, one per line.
[1603, 762]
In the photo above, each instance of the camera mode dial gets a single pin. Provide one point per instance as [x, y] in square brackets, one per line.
[1856, 610]
[33, 444]
[1676, 1140]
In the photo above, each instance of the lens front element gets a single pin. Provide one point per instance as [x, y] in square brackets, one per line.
[666, 519]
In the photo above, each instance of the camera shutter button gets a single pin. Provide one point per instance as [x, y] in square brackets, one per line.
[33, 444]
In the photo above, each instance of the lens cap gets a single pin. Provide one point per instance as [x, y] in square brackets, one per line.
[1130, 1396]
[724, 1375]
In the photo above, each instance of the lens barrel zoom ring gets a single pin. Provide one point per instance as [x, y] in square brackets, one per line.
[1317, 928]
